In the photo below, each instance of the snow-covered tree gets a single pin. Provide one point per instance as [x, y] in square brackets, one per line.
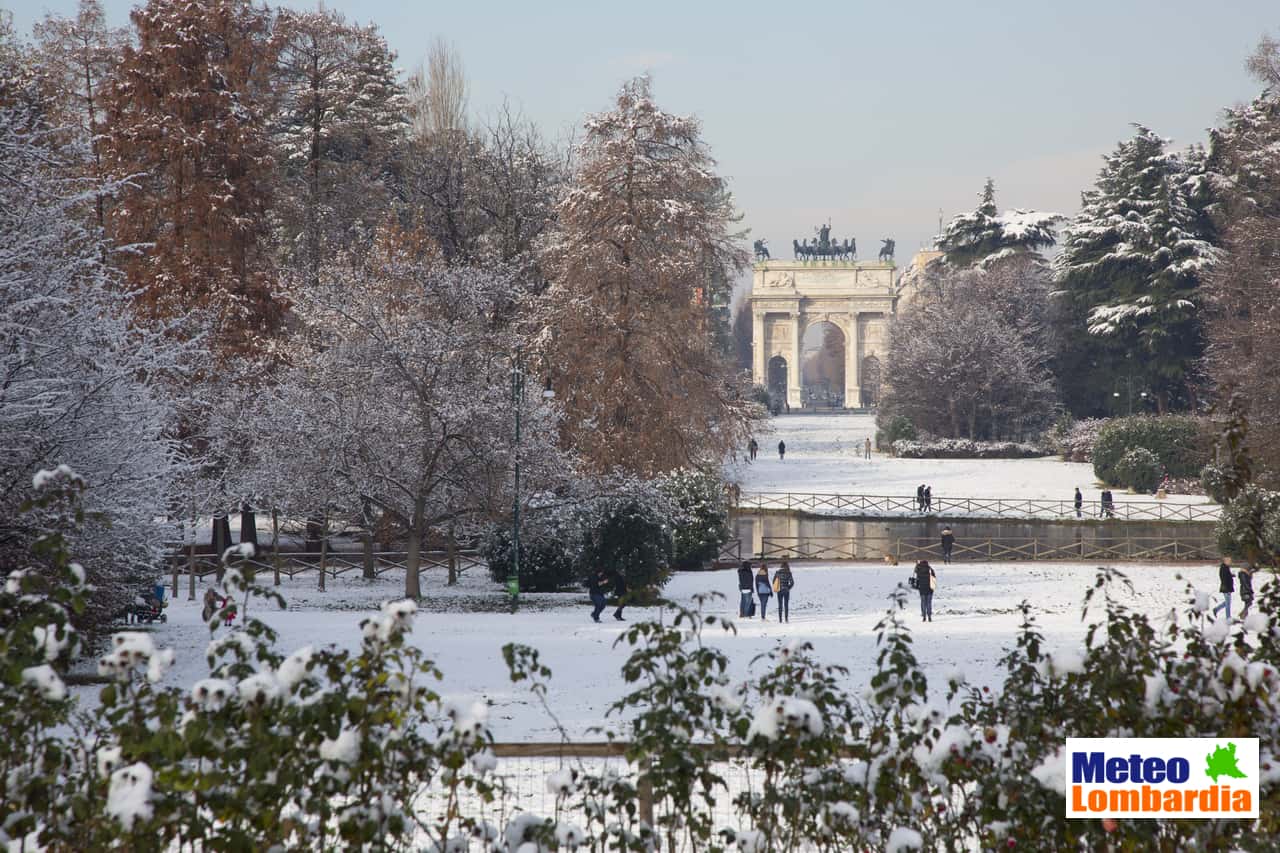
[399, 397]
[77, 58]
[81, 383]
[985, 235]
[186, 124]
[643, 235]
[341, 115]
[1131, 266]
[969, 358]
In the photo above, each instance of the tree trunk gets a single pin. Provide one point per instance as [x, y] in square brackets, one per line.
[221, 541]
[314, 533]
[275, 543]
[412, 583]
[191, 558]
[453, 560]
[324, 551]
[369, 573]
[248, 526]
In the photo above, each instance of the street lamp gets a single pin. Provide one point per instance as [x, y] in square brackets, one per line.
[517, 400]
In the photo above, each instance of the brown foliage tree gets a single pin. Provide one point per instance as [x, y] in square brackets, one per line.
[644, 236]
[186, 123]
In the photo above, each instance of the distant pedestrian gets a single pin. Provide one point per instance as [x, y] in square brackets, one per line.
[1246, 588]
[1108, 504]
[782, 584]
[928, 498]
[867, 448]
[735, 493]
[597, 589]
[787, 403]
[1226, 586]
[212, 604]
[926, 583]
[948, 543]
[1079, 502]
[920, 497]
[745, 581]
[752, 449]
[620, 592]
[782, 450]
[763, 589]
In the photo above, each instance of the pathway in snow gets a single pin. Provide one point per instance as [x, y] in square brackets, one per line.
[824, 454]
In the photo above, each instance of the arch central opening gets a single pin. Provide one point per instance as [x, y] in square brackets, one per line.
[823, 358]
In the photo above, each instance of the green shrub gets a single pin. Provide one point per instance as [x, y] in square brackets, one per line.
[1177, 441]
[701, 524]
[631, 536]
[1139, 469]
[546, 561]
[898, 428]
[1214, 480]
[1250, 526]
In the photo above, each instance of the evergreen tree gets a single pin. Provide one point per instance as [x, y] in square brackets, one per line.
[186, 124]
[985, 236]
[340, 119]
[1130, 268]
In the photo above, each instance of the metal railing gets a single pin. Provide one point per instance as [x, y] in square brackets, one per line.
[336, 563]
[893, 505]
[1005, 548]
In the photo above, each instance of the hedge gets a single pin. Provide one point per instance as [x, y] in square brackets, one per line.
[1179, 442]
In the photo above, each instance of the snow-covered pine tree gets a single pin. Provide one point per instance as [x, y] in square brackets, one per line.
[985, 236]
[1131, 264]
[341, 115]
[186, 122]
[642, 233]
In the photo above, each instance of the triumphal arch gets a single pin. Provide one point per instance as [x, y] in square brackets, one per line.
[820, 329]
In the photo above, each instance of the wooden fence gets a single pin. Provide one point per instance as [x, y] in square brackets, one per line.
[888, 505]
[876, 548]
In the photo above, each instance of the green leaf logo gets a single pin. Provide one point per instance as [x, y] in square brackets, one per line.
[1222, 762]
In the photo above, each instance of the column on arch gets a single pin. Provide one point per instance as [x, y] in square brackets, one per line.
[795, 372]
[852, 381]
[759, 349]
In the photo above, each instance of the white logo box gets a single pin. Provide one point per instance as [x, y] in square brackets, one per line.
[1100, 778]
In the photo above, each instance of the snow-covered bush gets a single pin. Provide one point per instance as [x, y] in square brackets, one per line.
[1249, 527]
[701, 524]
[894, 428]
[1179, 442]
[548, 558]
[1075, 441]
[629, 533]
[963, 448]
[1139, 469]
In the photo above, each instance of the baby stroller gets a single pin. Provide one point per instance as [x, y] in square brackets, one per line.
[148, 606]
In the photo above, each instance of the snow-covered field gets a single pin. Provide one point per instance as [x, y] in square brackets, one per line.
[824, 455]
[834, 606]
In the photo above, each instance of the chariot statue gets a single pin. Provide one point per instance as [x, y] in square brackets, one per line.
[824, 248]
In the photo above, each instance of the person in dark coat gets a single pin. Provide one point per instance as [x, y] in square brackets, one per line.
[926, 580]
[597, 588]
[1245, 584]
[1226, 586]
[928, 498]
[752, 449]
[782, 450]
[1079, 503]
[764, 590]
[920, 497]
[744, 588]
[948, 543]
[620, 592]
[783, 581]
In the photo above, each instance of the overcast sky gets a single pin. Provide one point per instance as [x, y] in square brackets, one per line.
[873, 115]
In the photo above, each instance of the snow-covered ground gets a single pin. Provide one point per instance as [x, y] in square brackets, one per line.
[824, 455]
[833, 606]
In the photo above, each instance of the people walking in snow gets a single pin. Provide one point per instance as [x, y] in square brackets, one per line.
[744, 589]
[753, 448]
[1079, 503]
[620, 592]
[948, 543]
[920, 498]
[782, 584]
[597, 588]
[926, 583]
[782, 450]
[928, 498]
[1108, 505]
[1245, 576]
[1226, 586]
[764, 590]
[867, 448]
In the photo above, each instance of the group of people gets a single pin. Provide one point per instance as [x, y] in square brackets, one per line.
[1107, 504]
[924, 498]
[1227, 586]
[760, 585]
[753, 450]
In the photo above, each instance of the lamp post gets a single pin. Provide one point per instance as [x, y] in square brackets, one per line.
[517, 400]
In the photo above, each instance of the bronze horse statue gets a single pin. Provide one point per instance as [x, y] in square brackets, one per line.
[762, 250]
[886, 251]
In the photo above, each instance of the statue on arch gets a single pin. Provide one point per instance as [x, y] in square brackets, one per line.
[762, 250]
[886, 250]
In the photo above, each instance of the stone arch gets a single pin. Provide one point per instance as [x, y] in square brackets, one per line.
[872, 377]
[823, 359]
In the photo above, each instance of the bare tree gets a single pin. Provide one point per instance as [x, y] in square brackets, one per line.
[438, 92]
